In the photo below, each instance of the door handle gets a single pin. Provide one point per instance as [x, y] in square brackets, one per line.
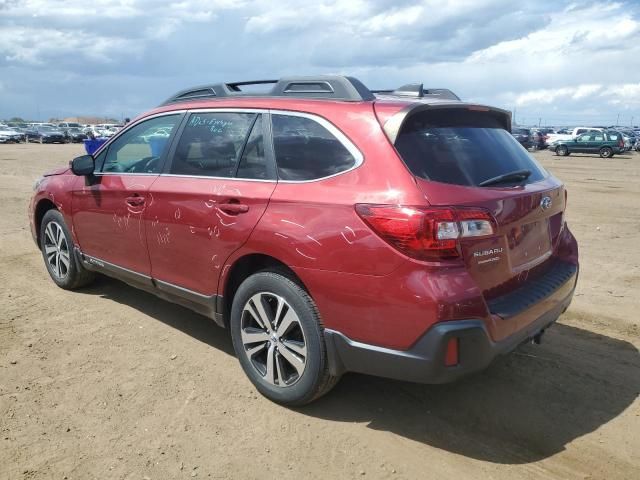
[233, 208]
[135, 200]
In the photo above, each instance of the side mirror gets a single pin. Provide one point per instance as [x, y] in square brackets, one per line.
[83, 165]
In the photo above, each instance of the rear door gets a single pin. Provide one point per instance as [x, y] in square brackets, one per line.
[209, 197]
[451, 153]
[598, 141]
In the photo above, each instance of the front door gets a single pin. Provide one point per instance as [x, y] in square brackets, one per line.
[212, 193]
[108, 209]
[583, 143]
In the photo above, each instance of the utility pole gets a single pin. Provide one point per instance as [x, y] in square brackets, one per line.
[618, 120]
[539, 121]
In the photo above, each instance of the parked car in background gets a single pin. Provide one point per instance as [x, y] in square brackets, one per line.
[19, 134]
[323, 244]
[523, 136]
[64, 125]
[538, 140]
[74, 135]
[604, 143]
[574, 133]
[629, 139]
[11, 135]
[93, 132]
[46, 134]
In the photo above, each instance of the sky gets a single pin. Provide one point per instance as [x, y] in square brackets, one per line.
[552, 62]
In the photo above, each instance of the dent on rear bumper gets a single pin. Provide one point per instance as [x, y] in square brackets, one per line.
[425, 361]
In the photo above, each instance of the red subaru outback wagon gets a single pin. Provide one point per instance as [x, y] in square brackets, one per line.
[331, 228]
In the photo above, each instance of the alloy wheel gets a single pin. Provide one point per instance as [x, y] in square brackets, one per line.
[273, 339]
[56, 250]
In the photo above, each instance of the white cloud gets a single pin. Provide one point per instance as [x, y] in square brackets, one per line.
[35, 45]
[573, 58]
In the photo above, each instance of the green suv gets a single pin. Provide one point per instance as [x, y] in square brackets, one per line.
[605, 143]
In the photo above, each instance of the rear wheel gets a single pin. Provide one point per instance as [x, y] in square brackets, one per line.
[57, 251]
[562, 150]
[606, 152]
[278, 337]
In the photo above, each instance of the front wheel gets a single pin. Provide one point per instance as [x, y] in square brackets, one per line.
[562, 150]
[606, 152]
[278, 338]
[57, 251]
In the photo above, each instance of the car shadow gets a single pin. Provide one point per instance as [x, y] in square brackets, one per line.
[525, 407]
[187, 321]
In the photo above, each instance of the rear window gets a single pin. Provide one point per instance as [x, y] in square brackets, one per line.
[462, 147]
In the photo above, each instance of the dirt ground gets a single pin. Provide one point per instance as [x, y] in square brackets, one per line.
[112, 383]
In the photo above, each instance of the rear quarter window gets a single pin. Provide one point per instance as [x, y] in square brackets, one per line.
[307, 150]
[462, 147]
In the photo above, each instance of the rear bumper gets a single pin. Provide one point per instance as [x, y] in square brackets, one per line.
[424, 362]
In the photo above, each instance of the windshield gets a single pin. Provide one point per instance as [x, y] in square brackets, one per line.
[46, 129]
[463, 148]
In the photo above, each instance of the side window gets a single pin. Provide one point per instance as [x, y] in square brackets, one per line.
[613, 136]
[211, 143]
[139, 149]
[580, 130]
[253, 163]
[598, 137]
[305, 150]
[584, 138]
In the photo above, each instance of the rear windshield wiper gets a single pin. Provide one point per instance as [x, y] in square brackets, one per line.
[516, 176]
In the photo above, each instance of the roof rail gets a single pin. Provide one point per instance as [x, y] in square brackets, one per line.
[331, 87]
[417, 90]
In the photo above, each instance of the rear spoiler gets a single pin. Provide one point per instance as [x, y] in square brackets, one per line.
[393, 126]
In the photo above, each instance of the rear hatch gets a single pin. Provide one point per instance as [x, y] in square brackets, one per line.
[463, 158]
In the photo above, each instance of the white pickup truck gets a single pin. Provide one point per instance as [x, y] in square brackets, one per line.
[552, 137]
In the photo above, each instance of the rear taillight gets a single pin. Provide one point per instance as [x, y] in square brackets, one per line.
[426, 233]
[620, 143]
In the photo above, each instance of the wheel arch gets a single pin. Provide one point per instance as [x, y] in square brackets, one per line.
[245, 266]
[42, 207]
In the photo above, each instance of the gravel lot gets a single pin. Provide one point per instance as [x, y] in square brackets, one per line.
[112, 383]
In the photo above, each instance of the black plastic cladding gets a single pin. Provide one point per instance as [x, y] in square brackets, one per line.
[331, 87]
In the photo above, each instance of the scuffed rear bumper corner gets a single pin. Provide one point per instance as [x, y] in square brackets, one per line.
[425, 361]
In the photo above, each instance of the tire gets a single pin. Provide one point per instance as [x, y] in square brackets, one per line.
[562, 150]
[290, 376]
[606, 152]
[56, 241]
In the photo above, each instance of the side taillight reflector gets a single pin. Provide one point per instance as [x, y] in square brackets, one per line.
[451, 355]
